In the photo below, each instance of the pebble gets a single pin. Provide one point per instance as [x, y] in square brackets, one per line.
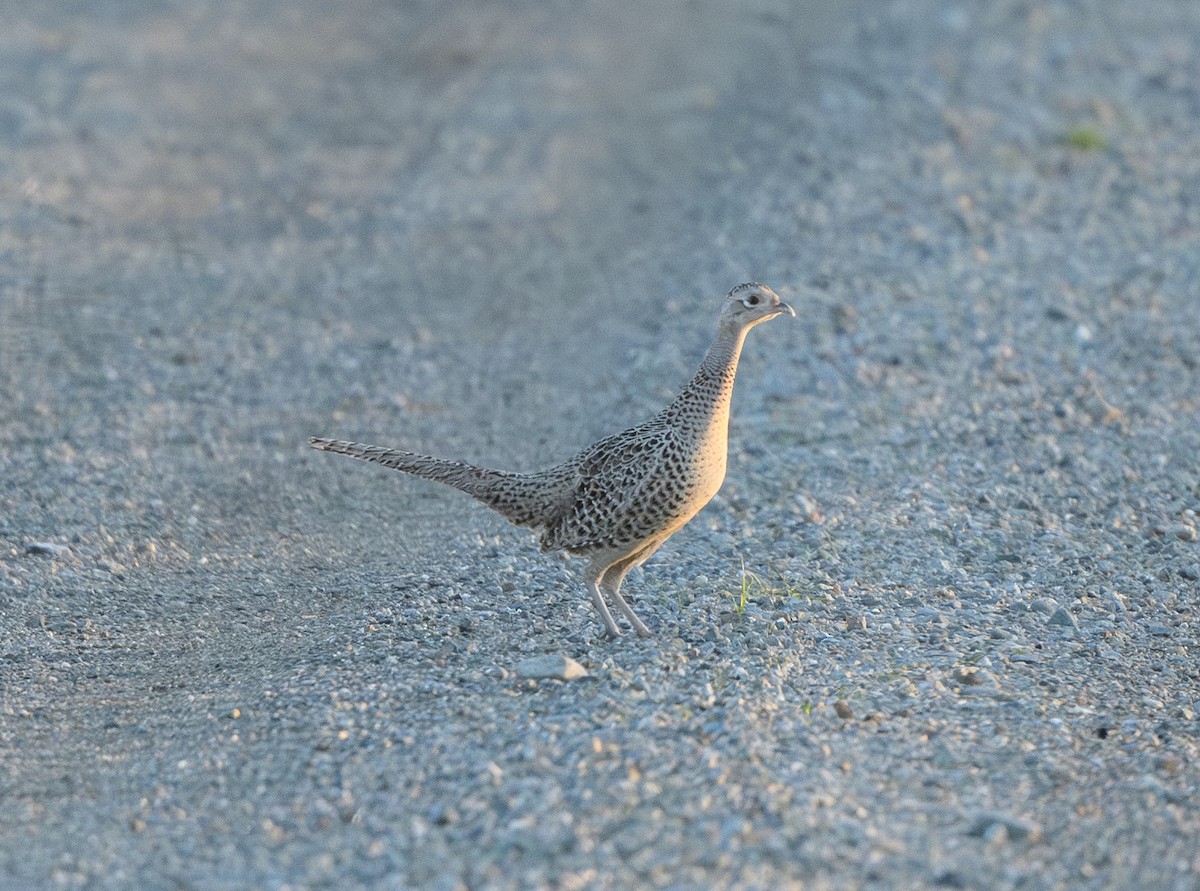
[1115, 602]
[989, 824]
[971, 676]
[1181, 531]
[1064, 617]
[932, 616]
[550, 666]
[45, 548]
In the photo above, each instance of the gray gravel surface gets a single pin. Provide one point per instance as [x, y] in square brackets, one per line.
[963, 486]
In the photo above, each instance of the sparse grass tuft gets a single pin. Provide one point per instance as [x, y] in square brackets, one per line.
[1086, 139]
[753, 586]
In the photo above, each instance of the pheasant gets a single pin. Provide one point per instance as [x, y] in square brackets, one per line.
[618, 500]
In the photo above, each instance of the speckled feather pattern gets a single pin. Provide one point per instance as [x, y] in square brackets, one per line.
[652, 479]
[618, 500]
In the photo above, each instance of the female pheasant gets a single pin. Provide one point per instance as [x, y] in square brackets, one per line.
[617, 501]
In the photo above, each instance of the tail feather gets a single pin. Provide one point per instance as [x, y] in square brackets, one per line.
[524, 499]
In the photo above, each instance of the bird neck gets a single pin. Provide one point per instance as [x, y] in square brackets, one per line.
[721, 362]
[710, 391]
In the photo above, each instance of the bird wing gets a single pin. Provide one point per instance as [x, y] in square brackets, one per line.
[618, 489]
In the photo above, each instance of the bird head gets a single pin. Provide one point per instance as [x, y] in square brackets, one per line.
[751, 303]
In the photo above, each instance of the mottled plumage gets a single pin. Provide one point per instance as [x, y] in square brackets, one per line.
[617, 501]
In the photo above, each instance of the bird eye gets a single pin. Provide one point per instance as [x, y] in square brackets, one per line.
[751, 300]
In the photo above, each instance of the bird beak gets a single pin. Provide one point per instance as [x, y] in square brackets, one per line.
[783, 307]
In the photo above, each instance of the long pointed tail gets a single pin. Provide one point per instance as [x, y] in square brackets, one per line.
[467, 477]
[521, 498]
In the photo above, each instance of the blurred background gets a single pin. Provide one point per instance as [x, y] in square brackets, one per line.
[224, 226]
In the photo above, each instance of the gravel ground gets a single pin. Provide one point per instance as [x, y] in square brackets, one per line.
[963, 485]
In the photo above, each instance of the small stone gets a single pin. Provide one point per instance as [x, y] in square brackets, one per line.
[1161, 630]
[1169, 763]
[943, 758]
[951, 879]
[973, 676]
[931, 616]
[843, 710]
[45, 548]
[1181, 531]
[1062, 616]
[442, 814]
[856, 623]
[990, 825]
[967, 675]
[551, 665]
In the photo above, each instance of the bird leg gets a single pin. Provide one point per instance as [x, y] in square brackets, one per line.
[602, 607]
[611, 582]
